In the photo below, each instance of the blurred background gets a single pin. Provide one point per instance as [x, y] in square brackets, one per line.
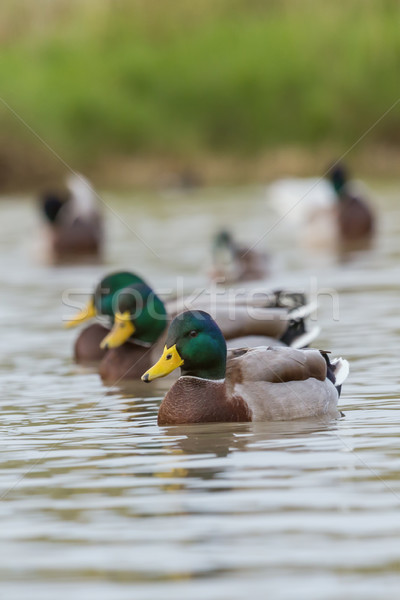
[181, 113]
[134, 92]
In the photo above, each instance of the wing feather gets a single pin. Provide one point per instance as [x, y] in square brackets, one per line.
[274, 365]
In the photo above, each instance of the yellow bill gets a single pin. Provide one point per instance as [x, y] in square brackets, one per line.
[87, 313]
[122, 330]
[169, 361]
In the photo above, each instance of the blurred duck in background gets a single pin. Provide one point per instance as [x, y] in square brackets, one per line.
[347, 225]
[138, 320]
[330, 213]
[355, 219]
[233, 263]
[102, 303]
[75, 224]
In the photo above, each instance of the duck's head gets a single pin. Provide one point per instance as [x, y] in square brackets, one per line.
[223, 245]
[103, 301]
[140, 315]
[52, 202]
[222, 239]
[195, 344]
[338, 177]
[224, 255]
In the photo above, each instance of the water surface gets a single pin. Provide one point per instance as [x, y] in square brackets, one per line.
[98, 502]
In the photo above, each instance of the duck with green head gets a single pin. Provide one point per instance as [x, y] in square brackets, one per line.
[355, 219]
[101, 303]
[73, 220]
[244, 384]
[140, 320]
[233, 263]
[139, 329]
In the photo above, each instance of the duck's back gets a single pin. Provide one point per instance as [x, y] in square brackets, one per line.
[281, 383]
[355, 218]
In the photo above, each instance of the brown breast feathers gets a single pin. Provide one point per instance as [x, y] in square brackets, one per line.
[195, 400]
[129, 361]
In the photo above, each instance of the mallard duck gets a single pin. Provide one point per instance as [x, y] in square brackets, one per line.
[102, 303]
[139, 332]
[140, 320]
[327, 213]
[74, 221]
[233, 263]
[246, 384]
[355, 219]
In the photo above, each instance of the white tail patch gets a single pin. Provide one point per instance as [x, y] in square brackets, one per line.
[303, 311]
[342, 370]
[298, 198]
[83, 196]
[306, 338]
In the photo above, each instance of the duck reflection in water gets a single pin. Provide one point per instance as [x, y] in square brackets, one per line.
[194, 450]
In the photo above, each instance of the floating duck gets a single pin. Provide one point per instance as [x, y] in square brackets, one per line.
[233, 263]
[139, 332]
[327, 213]
[75, 225]
[102, 303]
[355, 219]
[138, 319]
[245, 384]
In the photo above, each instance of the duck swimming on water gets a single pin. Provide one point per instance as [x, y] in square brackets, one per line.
[355, 219]
[101, 303]
[74, 222]
[128, 347]
[233, 263]
[244, 384]
[138, 319]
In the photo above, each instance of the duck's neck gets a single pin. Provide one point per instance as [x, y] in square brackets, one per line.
[214, 373]
[340, 186]
[342, 196]
[196, 400]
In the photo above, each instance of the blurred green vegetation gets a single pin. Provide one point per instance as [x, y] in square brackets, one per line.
[98, 78]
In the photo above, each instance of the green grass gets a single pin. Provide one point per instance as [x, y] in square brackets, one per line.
[205, 77]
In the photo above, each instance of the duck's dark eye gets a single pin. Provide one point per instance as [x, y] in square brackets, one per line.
[193, 333]
[168, 357]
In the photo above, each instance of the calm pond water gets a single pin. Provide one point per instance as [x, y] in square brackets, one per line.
[98, 502]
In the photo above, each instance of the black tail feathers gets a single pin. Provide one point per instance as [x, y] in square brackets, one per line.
[331, 371]
[295, 329]
[291, 300]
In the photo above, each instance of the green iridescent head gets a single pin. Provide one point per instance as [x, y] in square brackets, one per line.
[338, 176]
[107, 291]
[103, 300]
[139, 315]
[195, 344]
